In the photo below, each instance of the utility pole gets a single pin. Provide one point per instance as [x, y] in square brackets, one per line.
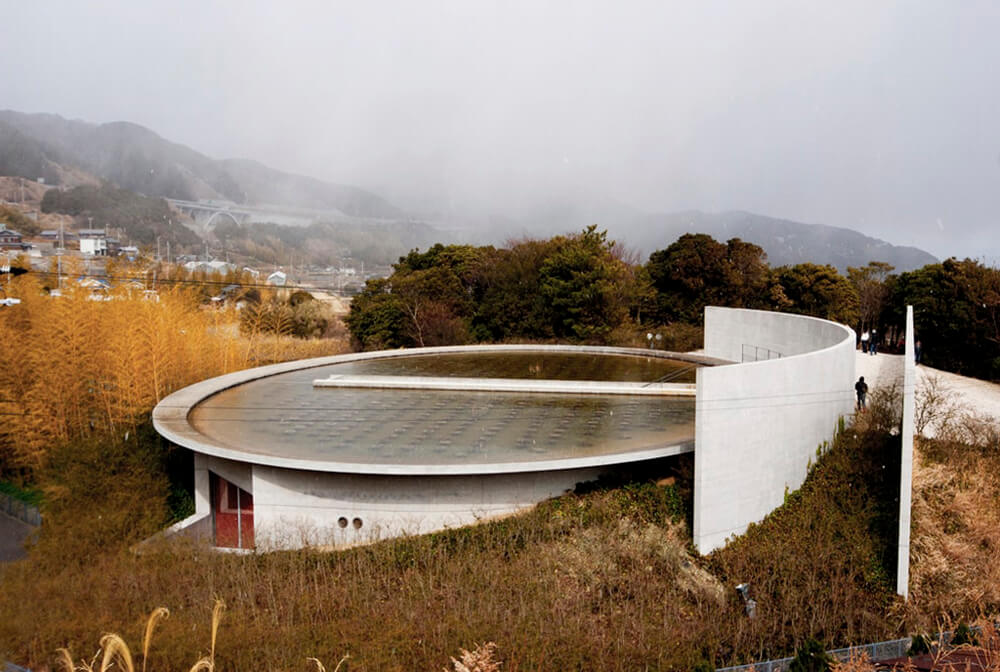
[62, 248]
[168, 253]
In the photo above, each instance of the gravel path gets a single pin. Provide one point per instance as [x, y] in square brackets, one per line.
[965, 395]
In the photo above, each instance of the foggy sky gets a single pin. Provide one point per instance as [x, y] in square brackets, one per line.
[878, 116]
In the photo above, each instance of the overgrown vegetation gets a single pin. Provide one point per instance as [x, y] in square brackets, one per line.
[600, 579]
[956, 533]
[300, 315]
[823, 565]
[12, 218]
[31, 496]
[322, 243]
[74, 369]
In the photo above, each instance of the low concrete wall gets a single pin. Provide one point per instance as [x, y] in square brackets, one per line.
[295, 508]
[526, 386]
[22, 511]
[758, 424]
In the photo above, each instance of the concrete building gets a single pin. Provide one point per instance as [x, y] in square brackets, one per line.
[333, 452]
[312, 464]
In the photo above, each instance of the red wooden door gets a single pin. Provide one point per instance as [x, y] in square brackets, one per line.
[232, 512]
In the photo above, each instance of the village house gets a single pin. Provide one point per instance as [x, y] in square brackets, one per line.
[11, 239]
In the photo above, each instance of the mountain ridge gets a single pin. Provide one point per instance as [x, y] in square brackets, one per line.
[785, 241]
[71, 151]
[138, 159]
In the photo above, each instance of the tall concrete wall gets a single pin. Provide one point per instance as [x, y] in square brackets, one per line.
[906, 463]
[758, 424]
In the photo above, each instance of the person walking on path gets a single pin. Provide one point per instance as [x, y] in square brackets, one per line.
[861, 387]
[864, 341]
[873, 344]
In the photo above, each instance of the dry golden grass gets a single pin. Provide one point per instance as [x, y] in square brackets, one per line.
[158, 614]
[597, 581]
[481, 659]
[114, 653]
[602, 580]
[73, 367]
[858, 662]
[982, 656]
[956, 533]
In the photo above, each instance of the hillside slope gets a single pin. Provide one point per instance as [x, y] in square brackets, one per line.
[137, 159]
[785, 241]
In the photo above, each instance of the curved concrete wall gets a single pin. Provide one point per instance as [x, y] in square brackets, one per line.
[759, 421]
[294, 508]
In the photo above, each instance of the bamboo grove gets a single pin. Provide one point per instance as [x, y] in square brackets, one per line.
[94, 365]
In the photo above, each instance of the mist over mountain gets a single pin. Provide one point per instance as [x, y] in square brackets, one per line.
[137, 159]
[68, 152]
[785, 242]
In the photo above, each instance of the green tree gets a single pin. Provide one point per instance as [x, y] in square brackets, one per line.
[956, 306]
[820, 291]
[508, 303]
[581, 282]
[576, 287]
[377, 319]
[698, 271]
[871, 284]
[435, 292]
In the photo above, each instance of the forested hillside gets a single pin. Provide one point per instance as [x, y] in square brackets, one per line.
[137, 159]
[584, 288]
[143, 218]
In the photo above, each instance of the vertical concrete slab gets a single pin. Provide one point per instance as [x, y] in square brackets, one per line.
[202, 495]
[906, 463]
[759, 424]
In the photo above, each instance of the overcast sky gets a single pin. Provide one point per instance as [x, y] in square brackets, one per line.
[878, 116]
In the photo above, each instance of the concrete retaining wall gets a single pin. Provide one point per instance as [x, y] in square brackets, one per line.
[758, 424]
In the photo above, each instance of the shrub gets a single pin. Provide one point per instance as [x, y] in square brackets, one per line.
[811, 657]
[963, 635]
[919, 645]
